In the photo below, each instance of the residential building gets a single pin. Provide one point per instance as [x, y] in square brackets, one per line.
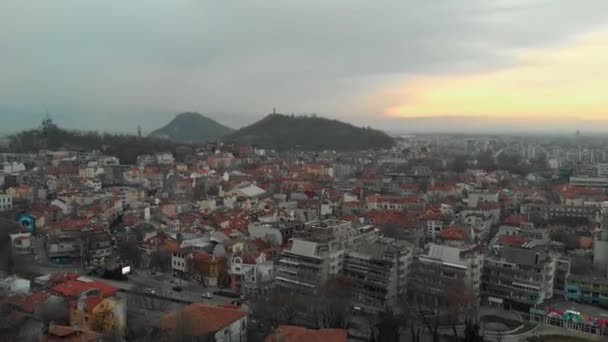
[589, 181]
[317, 253]
[94, 305]
[305, 265]
[6, 202]
[518, 277]
[251, 274]
[206, 268]
[378, 272]
[562, 272]
[379, 202]
[433, 222]
[443, 270]
[587, 288]
[279, 232]
[63, 248]
[477, 197]
[21, 243]
[98, 246]
[200, 320]
[164, 158]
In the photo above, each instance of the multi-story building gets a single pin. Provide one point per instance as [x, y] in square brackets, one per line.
[378, 272]
[589, 181]
[251, 274]
[6, 202]
[557, 211]
[562, 271]
[587, 288]
[518, 277]
[446, 270]
[380, 202]
[21, 243]
[98, 247]
[280, 231]
[592, 286]
[433, 222]
[62, 249]
[305, 264]
[318, 254]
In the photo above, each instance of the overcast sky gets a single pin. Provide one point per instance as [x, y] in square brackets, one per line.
[403, 65]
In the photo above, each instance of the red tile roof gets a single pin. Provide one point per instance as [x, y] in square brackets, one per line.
[290, 333]
[453, 233]
[64, 333]
[27, 303]
[73, 288]
[200, 318]
[512, 240]
[516, 220]
[488, 205]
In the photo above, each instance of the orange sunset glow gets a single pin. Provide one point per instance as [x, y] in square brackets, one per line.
[558, 83]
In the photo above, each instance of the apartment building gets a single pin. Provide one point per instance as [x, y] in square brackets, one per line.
[6, 202]
[519, 277]
[318, 253]
[378, 272]
[441, 272]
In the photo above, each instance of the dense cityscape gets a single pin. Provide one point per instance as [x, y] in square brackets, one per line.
[438, 238]
[304, 171]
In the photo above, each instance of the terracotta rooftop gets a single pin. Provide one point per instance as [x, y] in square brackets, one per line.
[512, 240]
[73, 288]
[58, 333]
[200, 318]
[290, 333]
[453, 233]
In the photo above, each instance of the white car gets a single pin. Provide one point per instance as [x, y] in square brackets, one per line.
[207, 295]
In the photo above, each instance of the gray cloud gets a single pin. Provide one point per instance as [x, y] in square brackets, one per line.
[92, 63]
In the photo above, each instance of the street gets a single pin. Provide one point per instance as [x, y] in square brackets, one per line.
[161, 284]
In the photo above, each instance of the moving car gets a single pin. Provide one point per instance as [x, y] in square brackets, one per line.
[207, 295]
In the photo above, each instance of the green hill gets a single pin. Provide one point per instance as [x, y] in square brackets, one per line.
[191, 128]
[283, 132]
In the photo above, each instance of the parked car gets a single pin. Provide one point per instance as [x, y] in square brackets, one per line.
[177, 288]
[207, 295]
[150, 291]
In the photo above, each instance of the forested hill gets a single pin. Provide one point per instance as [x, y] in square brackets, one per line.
[284, 132]
[191, 128]
[50, 136]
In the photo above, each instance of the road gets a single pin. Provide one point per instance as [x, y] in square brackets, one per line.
[140, 282]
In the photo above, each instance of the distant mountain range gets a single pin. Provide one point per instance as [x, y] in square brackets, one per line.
[191, 128]
[284, 132]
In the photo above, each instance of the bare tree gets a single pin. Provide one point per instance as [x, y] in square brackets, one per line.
[160, 260]
[129, 251]
[275, 308]
[334, 302]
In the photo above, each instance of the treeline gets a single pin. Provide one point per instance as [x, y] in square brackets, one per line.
[50, 136]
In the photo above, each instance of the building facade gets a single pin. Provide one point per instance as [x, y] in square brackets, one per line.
[378, 272]
[443, 272]
[519, 277]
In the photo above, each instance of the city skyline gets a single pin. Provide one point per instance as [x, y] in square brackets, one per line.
[504, 66]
